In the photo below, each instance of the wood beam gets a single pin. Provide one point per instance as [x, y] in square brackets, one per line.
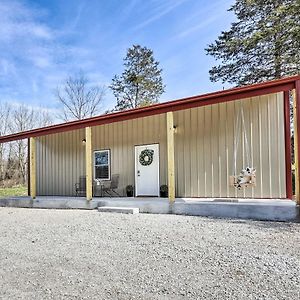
[32, 167]
[28, 167]
[288, 148]
[295, 150]
[171, 156]
[88, 162]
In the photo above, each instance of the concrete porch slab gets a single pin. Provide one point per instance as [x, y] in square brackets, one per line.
[123, 210]
[257, 209]
[56, 202]
[260, 209]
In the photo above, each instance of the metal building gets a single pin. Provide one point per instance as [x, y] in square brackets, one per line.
[188, 144]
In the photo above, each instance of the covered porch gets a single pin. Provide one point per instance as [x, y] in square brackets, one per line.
[193, 153]
[196, 152]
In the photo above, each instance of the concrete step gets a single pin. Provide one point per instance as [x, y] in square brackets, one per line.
[124, 210]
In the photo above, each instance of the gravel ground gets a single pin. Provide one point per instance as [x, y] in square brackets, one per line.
[76, 254]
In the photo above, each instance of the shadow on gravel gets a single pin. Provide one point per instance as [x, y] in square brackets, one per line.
[265, 224]
[255, 223]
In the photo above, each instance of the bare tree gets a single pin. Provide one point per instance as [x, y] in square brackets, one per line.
[13, 155]
[23, 118]
[43, 118]
[5, 111]
[79, 100]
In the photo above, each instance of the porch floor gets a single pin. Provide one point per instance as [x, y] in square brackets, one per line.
[259, 209]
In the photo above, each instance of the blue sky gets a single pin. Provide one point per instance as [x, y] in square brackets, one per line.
[42, 42]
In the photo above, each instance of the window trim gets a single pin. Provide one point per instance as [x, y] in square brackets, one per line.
[109, 165]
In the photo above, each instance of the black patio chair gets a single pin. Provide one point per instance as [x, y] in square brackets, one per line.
[109, 187]
[80, 187]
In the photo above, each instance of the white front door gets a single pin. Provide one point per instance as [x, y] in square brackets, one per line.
[147, 170]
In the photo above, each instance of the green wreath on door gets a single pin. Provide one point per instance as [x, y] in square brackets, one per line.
[146, 157]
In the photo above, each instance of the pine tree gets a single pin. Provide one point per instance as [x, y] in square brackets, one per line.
[263, 44]
[141, 82]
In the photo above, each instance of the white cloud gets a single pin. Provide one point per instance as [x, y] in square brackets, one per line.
[24, 38]
[160, 9]
[30, 53]
[17, 22]
[197, 27]
[7, 67]
[203, 18]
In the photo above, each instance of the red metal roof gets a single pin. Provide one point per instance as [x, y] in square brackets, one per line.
[265, 88]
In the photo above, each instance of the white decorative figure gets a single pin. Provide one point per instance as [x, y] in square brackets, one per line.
[245, 177]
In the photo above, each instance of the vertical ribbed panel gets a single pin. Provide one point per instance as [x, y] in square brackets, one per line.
[122, 137]
[60, 162]
[205, 148]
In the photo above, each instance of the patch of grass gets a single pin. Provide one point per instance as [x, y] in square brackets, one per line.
[20, 190]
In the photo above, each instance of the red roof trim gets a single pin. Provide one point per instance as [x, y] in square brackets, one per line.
[265, 88]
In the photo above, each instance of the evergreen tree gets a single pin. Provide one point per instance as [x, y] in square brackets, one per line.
[263, 44]
[141, 83]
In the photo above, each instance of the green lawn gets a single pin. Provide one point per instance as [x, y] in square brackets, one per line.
[13, 191]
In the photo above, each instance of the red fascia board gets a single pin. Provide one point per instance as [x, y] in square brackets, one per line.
[269, 87]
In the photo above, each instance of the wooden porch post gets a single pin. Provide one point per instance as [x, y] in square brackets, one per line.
[296, 108]
[28, 167]
[32, 167]
[88, 162]
[288, 148]
[171, 156]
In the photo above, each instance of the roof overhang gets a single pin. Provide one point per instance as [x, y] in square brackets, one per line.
[254, 90]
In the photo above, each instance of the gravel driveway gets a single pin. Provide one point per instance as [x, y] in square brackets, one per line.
[76, 254]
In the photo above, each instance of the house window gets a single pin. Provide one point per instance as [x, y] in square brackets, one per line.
[102, 165]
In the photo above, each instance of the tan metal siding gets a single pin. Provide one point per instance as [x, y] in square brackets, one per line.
[205, 138]
[121, 138]
[61, 157]
[60, 162]
[204, 145]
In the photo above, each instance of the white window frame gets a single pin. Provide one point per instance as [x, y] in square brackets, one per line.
[109, 164]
